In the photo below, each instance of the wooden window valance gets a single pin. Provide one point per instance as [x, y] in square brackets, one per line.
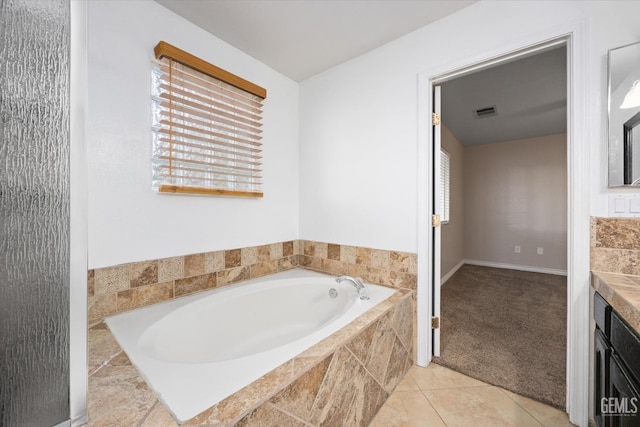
[206, 127]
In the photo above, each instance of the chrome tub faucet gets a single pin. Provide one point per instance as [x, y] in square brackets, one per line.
[363, 292]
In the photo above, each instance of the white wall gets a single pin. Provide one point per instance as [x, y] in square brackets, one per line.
[127, 221]
[358, 130]
[516, 195]
[358, 138]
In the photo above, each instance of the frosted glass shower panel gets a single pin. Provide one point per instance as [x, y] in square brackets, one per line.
[34, 212]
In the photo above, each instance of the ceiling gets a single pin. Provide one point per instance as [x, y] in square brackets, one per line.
[530, 96]
[301, 38]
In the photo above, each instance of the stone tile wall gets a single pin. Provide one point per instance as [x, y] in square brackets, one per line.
[361, 364]
[615, 245]
[390, 268]
[128, 286]
[348, 386]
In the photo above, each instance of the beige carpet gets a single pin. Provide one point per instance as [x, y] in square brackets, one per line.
[507, 328]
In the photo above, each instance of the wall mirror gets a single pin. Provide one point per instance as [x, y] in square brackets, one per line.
[624, 116]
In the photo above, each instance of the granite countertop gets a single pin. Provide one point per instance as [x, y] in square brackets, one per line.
[622, 291]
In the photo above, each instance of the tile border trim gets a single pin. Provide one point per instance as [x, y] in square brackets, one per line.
[128, 286]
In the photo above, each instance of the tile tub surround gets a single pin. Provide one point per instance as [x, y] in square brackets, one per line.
[390, 268]
[615, 245]
[125, 287]
[128, 286]
[342, 380]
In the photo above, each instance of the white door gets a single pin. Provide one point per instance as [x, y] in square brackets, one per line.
[437, 214]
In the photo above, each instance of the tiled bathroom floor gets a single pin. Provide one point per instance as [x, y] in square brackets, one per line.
[439, 397]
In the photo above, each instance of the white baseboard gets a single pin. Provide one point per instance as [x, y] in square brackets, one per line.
[516, 267]
[79, 421]
[451, 272]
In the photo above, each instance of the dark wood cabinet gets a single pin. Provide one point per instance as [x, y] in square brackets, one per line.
[601, 375]
[624, 392]
[616, 369]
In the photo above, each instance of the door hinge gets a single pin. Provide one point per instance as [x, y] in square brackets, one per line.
[435, 323]
[435, 120]
[435, 221]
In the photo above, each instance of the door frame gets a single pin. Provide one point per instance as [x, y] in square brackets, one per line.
[578, 147]
[436, 209]
[78, 251]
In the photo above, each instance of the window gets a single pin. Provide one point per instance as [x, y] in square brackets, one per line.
[445, 186]
[206, 127]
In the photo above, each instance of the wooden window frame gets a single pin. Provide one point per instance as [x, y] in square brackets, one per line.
[165, 50]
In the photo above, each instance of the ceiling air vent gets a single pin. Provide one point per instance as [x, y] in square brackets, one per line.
[481, 113]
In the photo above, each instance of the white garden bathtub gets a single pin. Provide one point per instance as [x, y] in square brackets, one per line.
[197, 350]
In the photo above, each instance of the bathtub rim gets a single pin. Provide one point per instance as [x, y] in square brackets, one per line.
[151, 330]
[152, 316]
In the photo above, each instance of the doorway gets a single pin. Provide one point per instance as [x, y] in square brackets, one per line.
[502, 199]
[578, 209]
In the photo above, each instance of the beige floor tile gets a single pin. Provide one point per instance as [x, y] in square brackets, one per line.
[406, 384]
[478, 406]
[561, 420]
[407, 409]
[457, 400]
[435, 377]
[545, 414]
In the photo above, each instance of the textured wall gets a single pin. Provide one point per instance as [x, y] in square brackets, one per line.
[34, 212]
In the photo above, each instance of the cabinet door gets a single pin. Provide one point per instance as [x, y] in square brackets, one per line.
[625, 342]
[601, 377]
[623, 395]
[602, 314]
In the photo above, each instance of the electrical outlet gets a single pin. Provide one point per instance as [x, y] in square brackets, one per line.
[540, 250]
[517, 249]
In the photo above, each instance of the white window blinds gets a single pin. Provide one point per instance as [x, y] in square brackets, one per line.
[206, 128]
[445, 185]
